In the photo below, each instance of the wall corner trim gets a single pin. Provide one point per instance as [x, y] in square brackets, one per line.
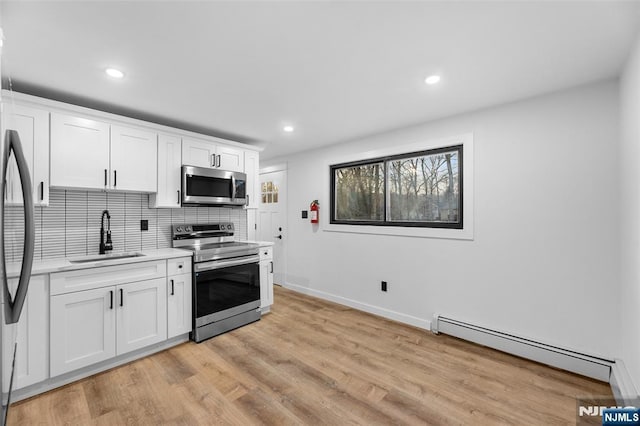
[622, 386]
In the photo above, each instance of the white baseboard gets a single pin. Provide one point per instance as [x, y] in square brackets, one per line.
[624, 391]
[376, 310]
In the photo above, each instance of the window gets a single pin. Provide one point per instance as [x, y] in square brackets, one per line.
[269, 192]
[420, 189]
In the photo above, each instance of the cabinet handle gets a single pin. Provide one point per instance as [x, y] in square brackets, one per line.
[213, 160]
[121, 298]
[271, 268]
[172, 289]
[180, 266]
[41, 190]
[247, 200]
[115, 178]
[105, 178]
[219, 160]
[178, 197]
[111, 299]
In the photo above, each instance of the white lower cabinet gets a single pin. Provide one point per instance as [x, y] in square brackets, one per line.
[83, 329]
[266, 278]
[178, 305]
[141, 315]
[90, 325]
[32, 361]
[94, 325]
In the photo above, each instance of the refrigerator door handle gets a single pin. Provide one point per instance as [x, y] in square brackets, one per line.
[13, 308]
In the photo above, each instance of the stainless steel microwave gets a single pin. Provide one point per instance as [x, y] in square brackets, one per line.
[202, 186]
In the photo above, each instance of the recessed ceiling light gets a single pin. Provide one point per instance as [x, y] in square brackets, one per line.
[432, 79]
[112, 72]
[288, 129]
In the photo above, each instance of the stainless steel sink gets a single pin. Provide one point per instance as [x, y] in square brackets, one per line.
[105, 257]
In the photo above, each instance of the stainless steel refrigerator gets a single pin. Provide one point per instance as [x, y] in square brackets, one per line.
[12, 300]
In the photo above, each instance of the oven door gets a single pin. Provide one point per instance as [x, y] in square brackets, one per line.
[225, 288]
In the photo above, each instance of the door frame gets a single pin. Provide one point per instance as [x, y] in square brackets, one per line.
[281, 167]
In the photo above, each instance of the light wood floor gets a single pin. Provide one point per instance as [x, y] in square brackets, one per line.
[315, 362]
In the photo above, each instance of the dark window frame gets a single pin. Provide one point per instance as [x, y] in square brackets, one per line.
[384, 160]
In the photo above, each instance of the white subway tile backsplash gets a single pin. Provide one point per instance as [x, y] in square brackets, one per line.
[70, 225]
[75, 223]
[133, 215]
[163, 232]
[53, 226]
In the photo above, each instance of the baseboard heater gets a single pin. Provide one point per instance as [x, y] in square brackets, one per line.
[586, 365]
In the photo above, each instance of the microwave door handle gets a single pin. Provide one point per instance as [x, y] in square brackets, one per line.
[13, 308]
[233, 186]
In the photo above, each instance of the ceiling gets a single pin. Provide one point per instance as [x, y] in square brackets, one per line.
[334, 70]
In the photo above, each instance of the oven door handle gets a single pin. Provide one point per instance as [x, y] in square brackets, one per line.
[219, 264]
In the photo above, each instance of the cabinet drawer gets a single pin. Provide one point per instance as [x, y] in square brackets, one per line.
[266, 253]
[90, 278]
[179, 266]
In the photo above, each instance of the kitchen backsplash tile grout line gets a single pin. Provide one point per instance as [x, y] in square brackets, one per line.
[70, 213]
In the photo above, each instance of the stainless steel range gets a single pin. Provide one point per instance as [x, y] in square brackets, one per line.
[226, 278]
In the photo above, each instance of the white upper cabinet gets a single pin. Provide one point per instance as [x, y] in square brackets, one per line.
[203, 153]
[79, 152]
[133, 159]
[198, 153]
[169, 162]
[32, 125]
[230, 158]
[94, 155]
[252, 170]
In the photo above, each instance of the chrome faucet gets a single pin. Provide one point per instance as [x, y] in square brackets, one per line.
[104, 247]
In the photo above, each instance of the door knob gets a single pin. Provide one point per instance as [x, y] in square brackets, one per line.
[278, 237]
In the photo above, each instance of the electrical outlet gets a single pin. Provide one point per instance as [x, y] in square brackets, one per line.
[305, 214]
[144, 225]
[383, 285]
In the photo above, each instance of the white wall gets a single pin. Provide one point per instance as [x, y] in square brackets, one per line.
[544, 260]
[630, 215]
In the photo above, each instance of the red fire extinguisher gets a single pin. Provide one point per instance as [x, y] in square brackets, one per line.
[315, 207]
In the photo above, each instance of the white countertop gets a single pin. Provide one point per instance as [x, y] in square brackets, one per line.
[261, 243]
[63, 264]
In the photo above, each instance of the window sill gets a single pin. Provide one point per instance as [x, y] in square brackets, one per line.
[444, 233]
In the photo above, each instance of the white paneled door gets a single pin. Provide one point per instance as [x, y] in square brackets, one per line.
[272, 219]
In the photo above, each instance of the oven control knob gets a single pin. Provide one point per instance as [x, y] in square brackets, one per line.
[222, 227]
[187, 229]
[179, 229]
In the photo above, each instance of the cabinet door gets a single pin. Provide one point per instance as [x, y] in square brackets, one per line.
[134, 160]
[169, 162]
[142, 314]
[230, 158]
[179, 319]
[83, 329]
[252, 169]
[266, 285]
[32, 125]
[32, 362]
[79, 152]
[198, 153]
